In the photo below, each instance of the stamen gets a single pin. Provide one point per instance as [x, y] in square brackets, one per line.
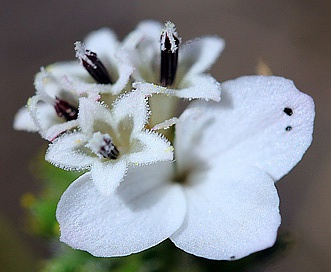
[65, 110]
[102, 145]
[169, 54]
[92, 64]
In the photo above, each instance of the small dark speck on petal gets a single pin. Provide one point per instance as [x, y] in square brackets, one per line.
[288, 128]
[232, 257]
[288, 111]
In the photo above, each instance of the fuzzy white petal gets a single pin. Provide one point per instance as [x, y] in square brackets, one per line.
[73, 76]
[55, 130]
[86, 85]
[193, 87]
[42, 105]
[194, 58]
[151, 147]
[143, 48]
[230, 214]
[198, 55]
[146, 31]
[199, 87]
[89, 112]
[108, 175]
[130, 220]
[102, 42]
[249, 126]
[66, 152]
[72, 68]
[23, 121]
[133, 106]
[46, 120]
[124, 72]
[49, 86]
[166, 124]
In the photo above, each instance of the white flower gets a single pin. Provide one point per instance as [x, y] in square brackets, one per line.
[60, 85]
[52, 110]
[218, 199]
[103, 65]
[109, 141]
[165, 66]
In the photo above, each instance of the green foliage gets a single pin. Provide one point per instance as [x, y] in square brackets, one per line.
[162, 258]
[41, 208]
[14, 248]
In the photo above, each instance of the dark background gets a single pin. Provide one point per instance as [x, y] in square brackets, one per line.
[294, 37]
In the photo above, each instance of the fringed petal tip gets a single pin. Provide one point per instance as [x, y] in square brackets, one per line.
[24, 121]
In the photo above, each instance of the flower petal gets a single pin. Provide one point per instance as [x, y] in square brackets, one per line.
[23, 121]
[230, 214]
[134, 106]
[72, 68]
[54, 131]
[197, 56]
[41, 106]
[108, 176]
[49, 86]
[262, 121]
[103, 42]
[143, 48]
[193, 87]
[151, 148]
[199, 87]
[124, 70]
[65, 152]
[44, 117]
[89, 112]
[146, 31]
[72, 76]
[143, 211]
[165, 124]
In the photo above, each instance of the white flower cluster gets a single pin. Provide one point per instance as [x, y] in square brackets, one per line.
[207, 183]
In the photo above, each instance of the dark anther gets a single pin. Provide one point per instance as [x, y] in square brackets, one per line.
[109, 150]
[232, 257]
[288, 111]
[288, 128]
[65, 110]
[169, 54]
[92, 64]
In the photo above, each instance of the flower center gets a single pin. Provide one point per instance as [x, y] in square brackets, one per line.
[65, 110]
[191, 172]
[169, 54]
[92, 64]
[181, 178]
[103, 146]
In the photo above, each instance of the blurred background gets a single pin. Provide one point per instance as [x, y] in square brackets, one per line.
[293, 37]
